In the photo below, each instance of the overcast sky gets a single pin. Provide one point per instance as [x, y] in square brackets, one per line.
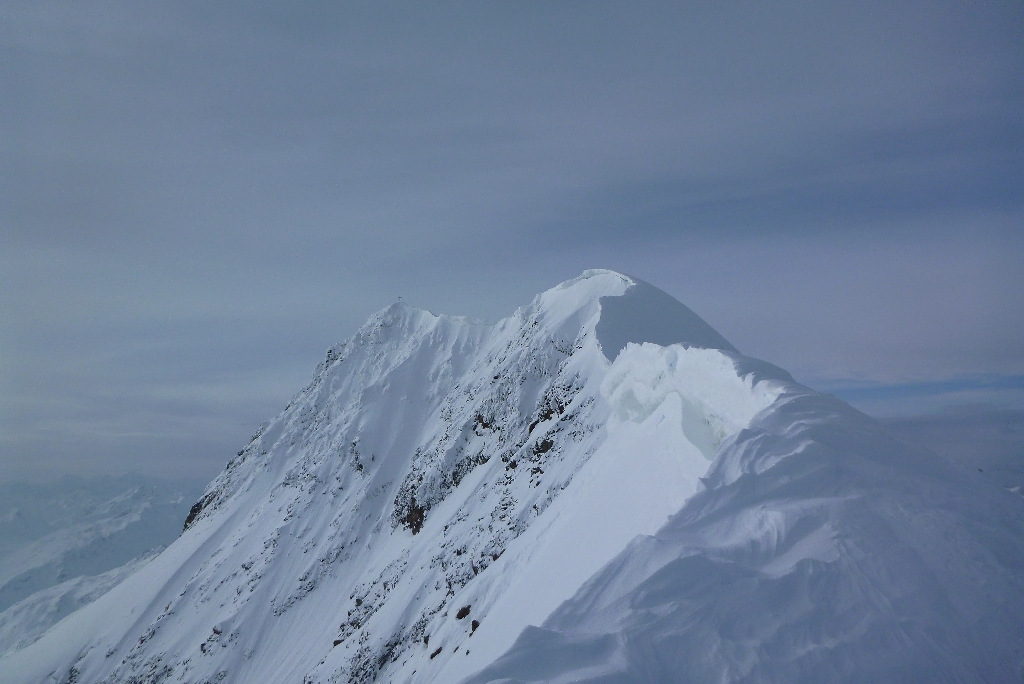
[197, 199]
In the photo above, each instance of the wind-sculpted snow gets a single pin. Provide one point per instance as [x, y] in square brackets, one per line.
[820, 550]
[716, 401]
[442, 484]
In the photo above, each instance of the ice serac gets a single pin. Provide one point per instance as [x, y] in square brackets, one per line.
[569, 494]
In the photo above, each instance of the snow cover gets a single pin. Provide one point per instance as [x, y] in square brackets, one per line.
[601, 463]
[643, 313]
[819, 550]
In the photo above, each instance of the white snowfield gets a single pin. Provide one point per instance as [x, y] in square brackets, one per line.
[599, 488]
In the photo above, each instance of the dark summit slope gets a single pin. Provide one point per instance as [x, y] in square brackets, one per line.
[646, 314]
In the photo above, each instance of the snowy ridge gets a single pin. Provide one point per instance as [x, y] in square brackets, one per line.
[424, 499]
[442, 484]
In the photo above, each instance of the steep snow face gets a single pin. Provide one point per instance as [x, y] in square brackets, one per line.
[440, 485]
[668, 410]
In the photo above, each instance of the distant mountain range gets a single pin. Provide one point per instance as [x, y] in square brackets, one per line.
[64, 544]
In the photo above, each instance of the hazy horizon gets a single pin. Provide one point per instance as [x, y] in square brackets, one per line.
[200, 199]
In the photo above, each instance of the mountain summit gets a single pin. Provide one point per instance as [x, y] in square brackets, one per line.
[598, 488]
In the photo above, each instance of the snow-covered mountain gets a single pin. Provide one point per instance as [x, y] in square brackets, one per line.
[597, 488]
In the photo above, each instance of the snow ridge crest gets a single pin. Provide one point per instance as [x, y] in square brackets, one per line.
[438, 486]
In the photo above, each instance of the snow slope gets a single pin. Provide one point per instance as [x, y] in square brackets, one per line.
[442, 485]
[819, 550]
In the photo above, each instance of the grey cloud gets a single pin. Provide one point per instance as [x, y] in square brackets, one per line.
[199, 195]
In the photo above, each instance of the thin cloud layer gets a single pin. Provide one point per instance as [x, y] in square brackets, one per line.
[199, 198]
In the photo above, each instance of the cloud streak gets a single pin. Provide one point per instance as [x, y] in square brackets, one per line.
[200, 195]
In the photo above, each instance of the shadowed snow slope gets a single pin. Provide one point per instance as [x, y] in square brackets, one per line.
[646, 314]
[442, 485]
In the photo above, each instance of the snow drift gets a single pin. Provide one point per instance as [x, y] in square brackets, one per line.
[819, 550]
[598, 488]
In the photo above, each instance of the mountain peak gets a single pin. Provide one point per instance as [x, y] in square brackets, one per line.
[631, 310]
[656, 508]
